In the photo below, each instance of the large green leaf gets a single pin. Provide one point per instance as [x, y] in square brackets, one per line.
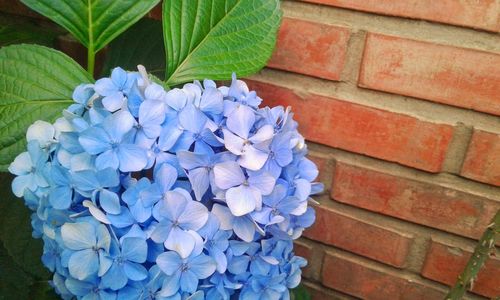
[36, 83]
[20, 30]
[213, 38]
[140, 44]
[93, 22]
[22, 275]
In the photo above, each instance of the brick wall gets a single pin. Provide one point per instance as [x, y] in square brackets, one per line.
[400, 103]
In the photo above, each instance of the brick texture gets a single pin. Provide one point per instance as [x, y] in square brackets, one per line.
[445, 262]
[423, 203]
[470, 13]
[455, 76]
[321, 52]
[482, 162]
[357, 236]
[374, 132]
[355, 278]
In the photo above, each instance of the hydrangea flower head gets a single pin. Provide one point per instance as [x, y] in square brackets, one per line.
[140, 192]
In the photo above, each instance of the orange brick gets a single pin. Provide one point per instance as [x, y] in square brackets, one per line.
[361, 129]
[482, 162]
[419, 202]
[358, 279]
[469, 13]
[455, 76]
[445, 262]
[354, 235]
[310, 48]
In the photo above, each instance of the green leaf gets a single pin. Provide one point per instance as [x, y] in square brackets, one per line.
[141, 44]
[300, 293]
[213, 38]
[93, 22]
[18, 30]
[14, 282]
[36, 83]
[15, 232]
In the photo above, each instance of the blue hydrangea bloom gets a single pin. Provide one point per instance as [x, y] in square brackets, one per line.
[192, 193]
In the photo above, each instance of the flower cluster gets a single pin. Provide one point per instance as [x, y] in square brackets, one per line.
[140, 192]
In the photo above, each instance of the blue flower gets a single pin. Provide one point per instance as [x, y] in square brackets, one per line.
[184, 273]
[151, 116]
[251, 148]
[216, 242]
[113, 144]
[244, 194]
[89, 243]
[81, 95]
[91, 289]
[30, 170]
[61, 192]
[244, 226]
[278, 206]
[125, 263]
[111, 186]
[200, 168]
[140, 206]
[264, 287]
[115, 88]
[179, 218]
[145, 289]
[95, 184]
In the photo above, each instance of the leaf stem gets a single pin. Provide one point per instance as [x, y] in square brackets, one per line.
[90, 60]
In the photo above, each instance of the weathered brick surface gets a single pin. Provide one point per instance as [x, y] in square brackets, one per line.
[445, 262]
[455, 76]
[361, 129]
[320, 52]
[356, 278]
[360, 237]
[470, 13]
[482, 162]
[419, 202]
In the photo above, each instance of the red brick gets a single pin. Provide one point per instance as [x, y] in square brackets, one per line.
[320, 293]
[310, 48]
[354, 235]
[374, 132]
[444, 262]
[469, 13]
[450, 75]
[482, 162]
[355, 278]
[419, 202]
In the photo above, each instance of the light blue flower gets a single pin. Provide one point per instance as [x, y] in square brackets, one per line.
[216, 242]
[250, 147]
[200, 168]
[30, 168]
[126, 263]
[179, 218]
[81, 95]
[61, 192]
[113, 144]
[89, 290]
[89, 244]
[184, 273]
[115, 88]
[244, 194]
[96, 184]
